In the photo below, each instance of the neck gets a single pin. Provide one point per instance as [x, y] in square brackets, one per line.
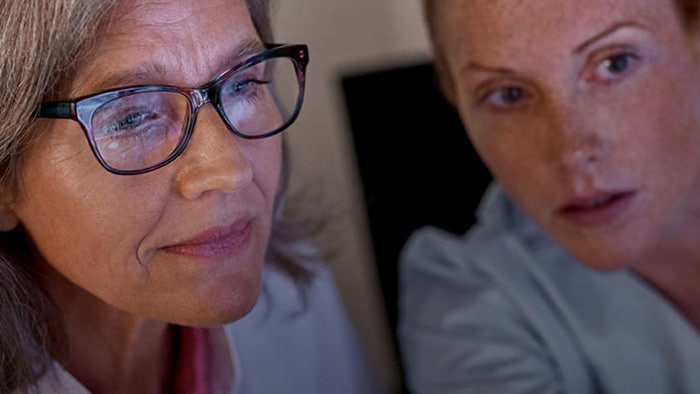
[674, 270]
[673, 265]
[110, 350]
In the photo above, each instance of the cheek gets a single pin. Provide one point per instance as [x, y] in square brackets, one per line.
[266, 158]
[515, 161]
[86, 222]
[672, 170]
[663, 134]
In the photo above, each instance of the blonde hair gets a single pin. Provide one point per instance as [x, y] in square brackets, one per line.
[40, 40]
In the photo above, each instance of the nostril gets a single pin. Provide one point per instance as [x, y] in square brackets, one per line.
[585, 153]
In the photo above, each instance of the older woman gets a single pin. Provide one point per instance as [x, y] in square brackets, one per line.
[141, 162]
[583, 273]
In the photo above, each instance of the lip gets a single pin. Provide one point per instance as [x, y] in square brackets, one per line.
[215, 242]
[596, 209]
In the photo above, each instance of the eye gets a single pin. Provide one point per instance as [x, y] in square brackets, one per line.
[616, 66]
[240, 87]
[505, 97]
[243, 88]
[131, 121]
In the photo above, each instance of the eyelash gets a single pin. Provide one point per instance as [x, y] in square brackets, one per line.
[631, 59]
[499, 93]
[631, 62]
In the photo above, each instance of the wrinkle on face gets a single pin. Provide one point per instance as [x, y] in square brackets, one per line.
[192, 59]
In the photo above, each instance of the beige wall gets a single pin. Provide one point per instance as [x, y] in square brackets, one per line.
[346, 36]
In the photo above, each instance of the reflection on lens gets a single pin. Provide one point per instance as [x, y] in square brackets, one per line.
[140, 130]
[261, 98]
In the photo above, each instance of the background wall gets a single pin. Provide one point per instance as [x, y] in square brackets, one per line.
[345, 37]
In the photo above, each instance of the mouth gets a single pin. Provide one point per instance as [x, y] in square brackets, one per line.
[215, 243]
[597, 209]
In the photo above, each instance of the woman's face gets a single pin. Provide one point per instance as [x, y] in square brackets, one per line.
[587, 113]
[184, 243]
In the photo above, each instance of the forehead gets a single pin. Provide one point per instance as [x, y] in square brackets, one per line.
[167, 41]
[201, 21]
[169, 13]
[490, 25]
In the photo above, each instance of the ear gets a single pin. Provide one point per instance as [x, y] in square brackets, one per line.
[8, 219]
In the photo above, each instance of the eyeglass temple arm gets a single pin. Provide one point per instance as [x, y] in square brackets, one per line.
[271, 45]
[57, 109]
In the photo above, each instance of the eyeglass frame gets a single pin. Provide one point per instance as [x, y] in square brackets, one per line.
[197, 98]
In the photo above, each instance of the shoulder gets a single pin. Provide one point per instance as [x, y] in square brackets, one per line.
[506, 294]
[486, 277]
[487, 297]
[56, 380]
[498, 243]
[300, 341]
[505, 262]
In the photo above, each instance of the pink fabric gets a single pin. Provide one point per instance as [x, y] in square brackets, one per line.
[193, 364]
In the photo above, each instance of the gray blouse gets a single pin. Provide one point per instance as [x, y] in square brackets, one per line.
[504, 309]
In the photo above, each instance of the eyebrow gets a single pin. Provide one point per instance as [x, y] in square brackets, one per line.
[476, 66]
[152, 71]
[606, 32]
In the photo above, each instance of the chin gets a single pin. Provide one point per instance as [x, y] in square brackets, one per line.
[613, 247]
[216, 315]
[218, 318]
[220, 303]
[604, 253]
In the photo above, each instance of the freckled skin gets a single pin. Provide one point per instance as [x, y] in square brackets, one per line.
[579, 126]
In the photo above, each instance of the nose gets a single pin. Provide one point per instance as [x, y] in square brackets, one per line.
[213, 160]
[579, 136]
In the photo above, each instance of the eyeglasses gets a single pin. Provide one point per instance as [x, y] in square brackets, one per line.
[138, 129]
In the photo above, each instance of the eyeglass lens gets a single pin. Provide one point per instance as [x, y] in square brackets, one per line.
[144, 129]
